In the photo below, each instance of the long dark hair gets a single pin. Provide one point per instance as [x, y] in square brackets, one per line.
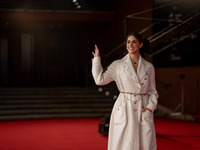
[146, 43]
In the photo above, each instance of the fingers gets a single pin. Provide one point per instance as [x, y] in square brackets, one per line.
[93, 54]
[95, 46]
[96, 51]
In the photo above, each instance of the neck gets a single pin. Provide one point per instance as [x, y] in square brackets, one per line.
[134, 57]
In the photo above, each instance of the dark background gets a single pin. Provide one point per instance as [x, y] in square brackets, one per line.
[49, 43]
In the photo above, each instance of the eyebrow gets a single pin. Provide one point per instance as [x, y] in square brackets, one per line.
[132, 40]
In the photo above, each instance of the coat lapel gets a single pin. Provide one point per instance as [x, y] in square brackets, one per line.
[129, 68]
[142, 68]
[141, 71]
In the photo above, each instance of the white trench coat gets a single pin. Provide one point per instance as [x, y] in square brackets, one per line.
[130, 128]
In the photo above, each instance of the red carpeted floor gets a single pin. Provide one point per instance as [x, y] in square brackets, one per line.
[82, 134]
[72, 134]
[177, 134]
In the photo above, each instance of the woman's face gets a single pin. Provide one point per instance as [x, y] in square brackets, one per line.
[133, 45]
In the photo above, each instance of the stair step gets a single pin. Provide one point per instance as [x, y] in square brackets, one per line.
[51, 116]
[38, 111]
[55, 102]
[36, 106]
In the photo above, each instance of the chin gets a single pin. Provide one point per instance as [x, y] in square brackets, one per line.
[131, 52]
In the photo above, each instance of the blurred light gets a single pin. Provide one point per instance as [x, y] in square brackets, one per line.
[107, 93]
[100, 89]
[79, 6]
[76, 3]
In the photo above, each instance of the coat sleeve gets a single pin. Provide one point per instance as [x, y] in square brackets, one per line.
[152, 92]
[101, 77]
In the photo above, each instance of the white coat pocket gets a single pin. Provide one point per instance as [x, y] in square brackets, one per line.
[119, 115]
[147, 118]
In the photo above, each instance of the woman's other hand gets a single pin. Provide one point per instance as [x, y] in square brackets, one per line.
[96, 52]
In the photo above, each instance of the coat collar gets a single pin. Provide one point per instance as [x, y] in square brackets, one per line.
[142, 67]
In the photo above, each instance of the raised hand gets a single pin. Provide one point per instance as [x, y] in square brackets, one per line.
[96, 52]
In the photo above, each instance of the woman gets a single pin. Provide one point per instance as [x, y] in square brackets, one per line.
[131, 122]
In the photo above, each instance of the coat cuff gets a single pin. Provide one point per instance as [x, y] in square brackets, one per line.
[96, 60]
[151, 106]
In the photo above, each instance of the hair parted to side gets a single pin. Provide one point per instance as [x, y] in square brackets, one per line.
[136, 35]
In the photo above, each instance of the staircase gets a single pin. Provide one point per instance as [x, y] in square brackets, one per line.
[24, 103]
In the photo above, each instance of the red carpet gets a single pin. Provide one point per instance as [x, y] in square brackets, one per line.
[177, 134]
[82, 134]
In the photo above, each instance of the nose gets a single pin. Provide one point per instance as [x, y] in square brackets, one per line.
[131, 43]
